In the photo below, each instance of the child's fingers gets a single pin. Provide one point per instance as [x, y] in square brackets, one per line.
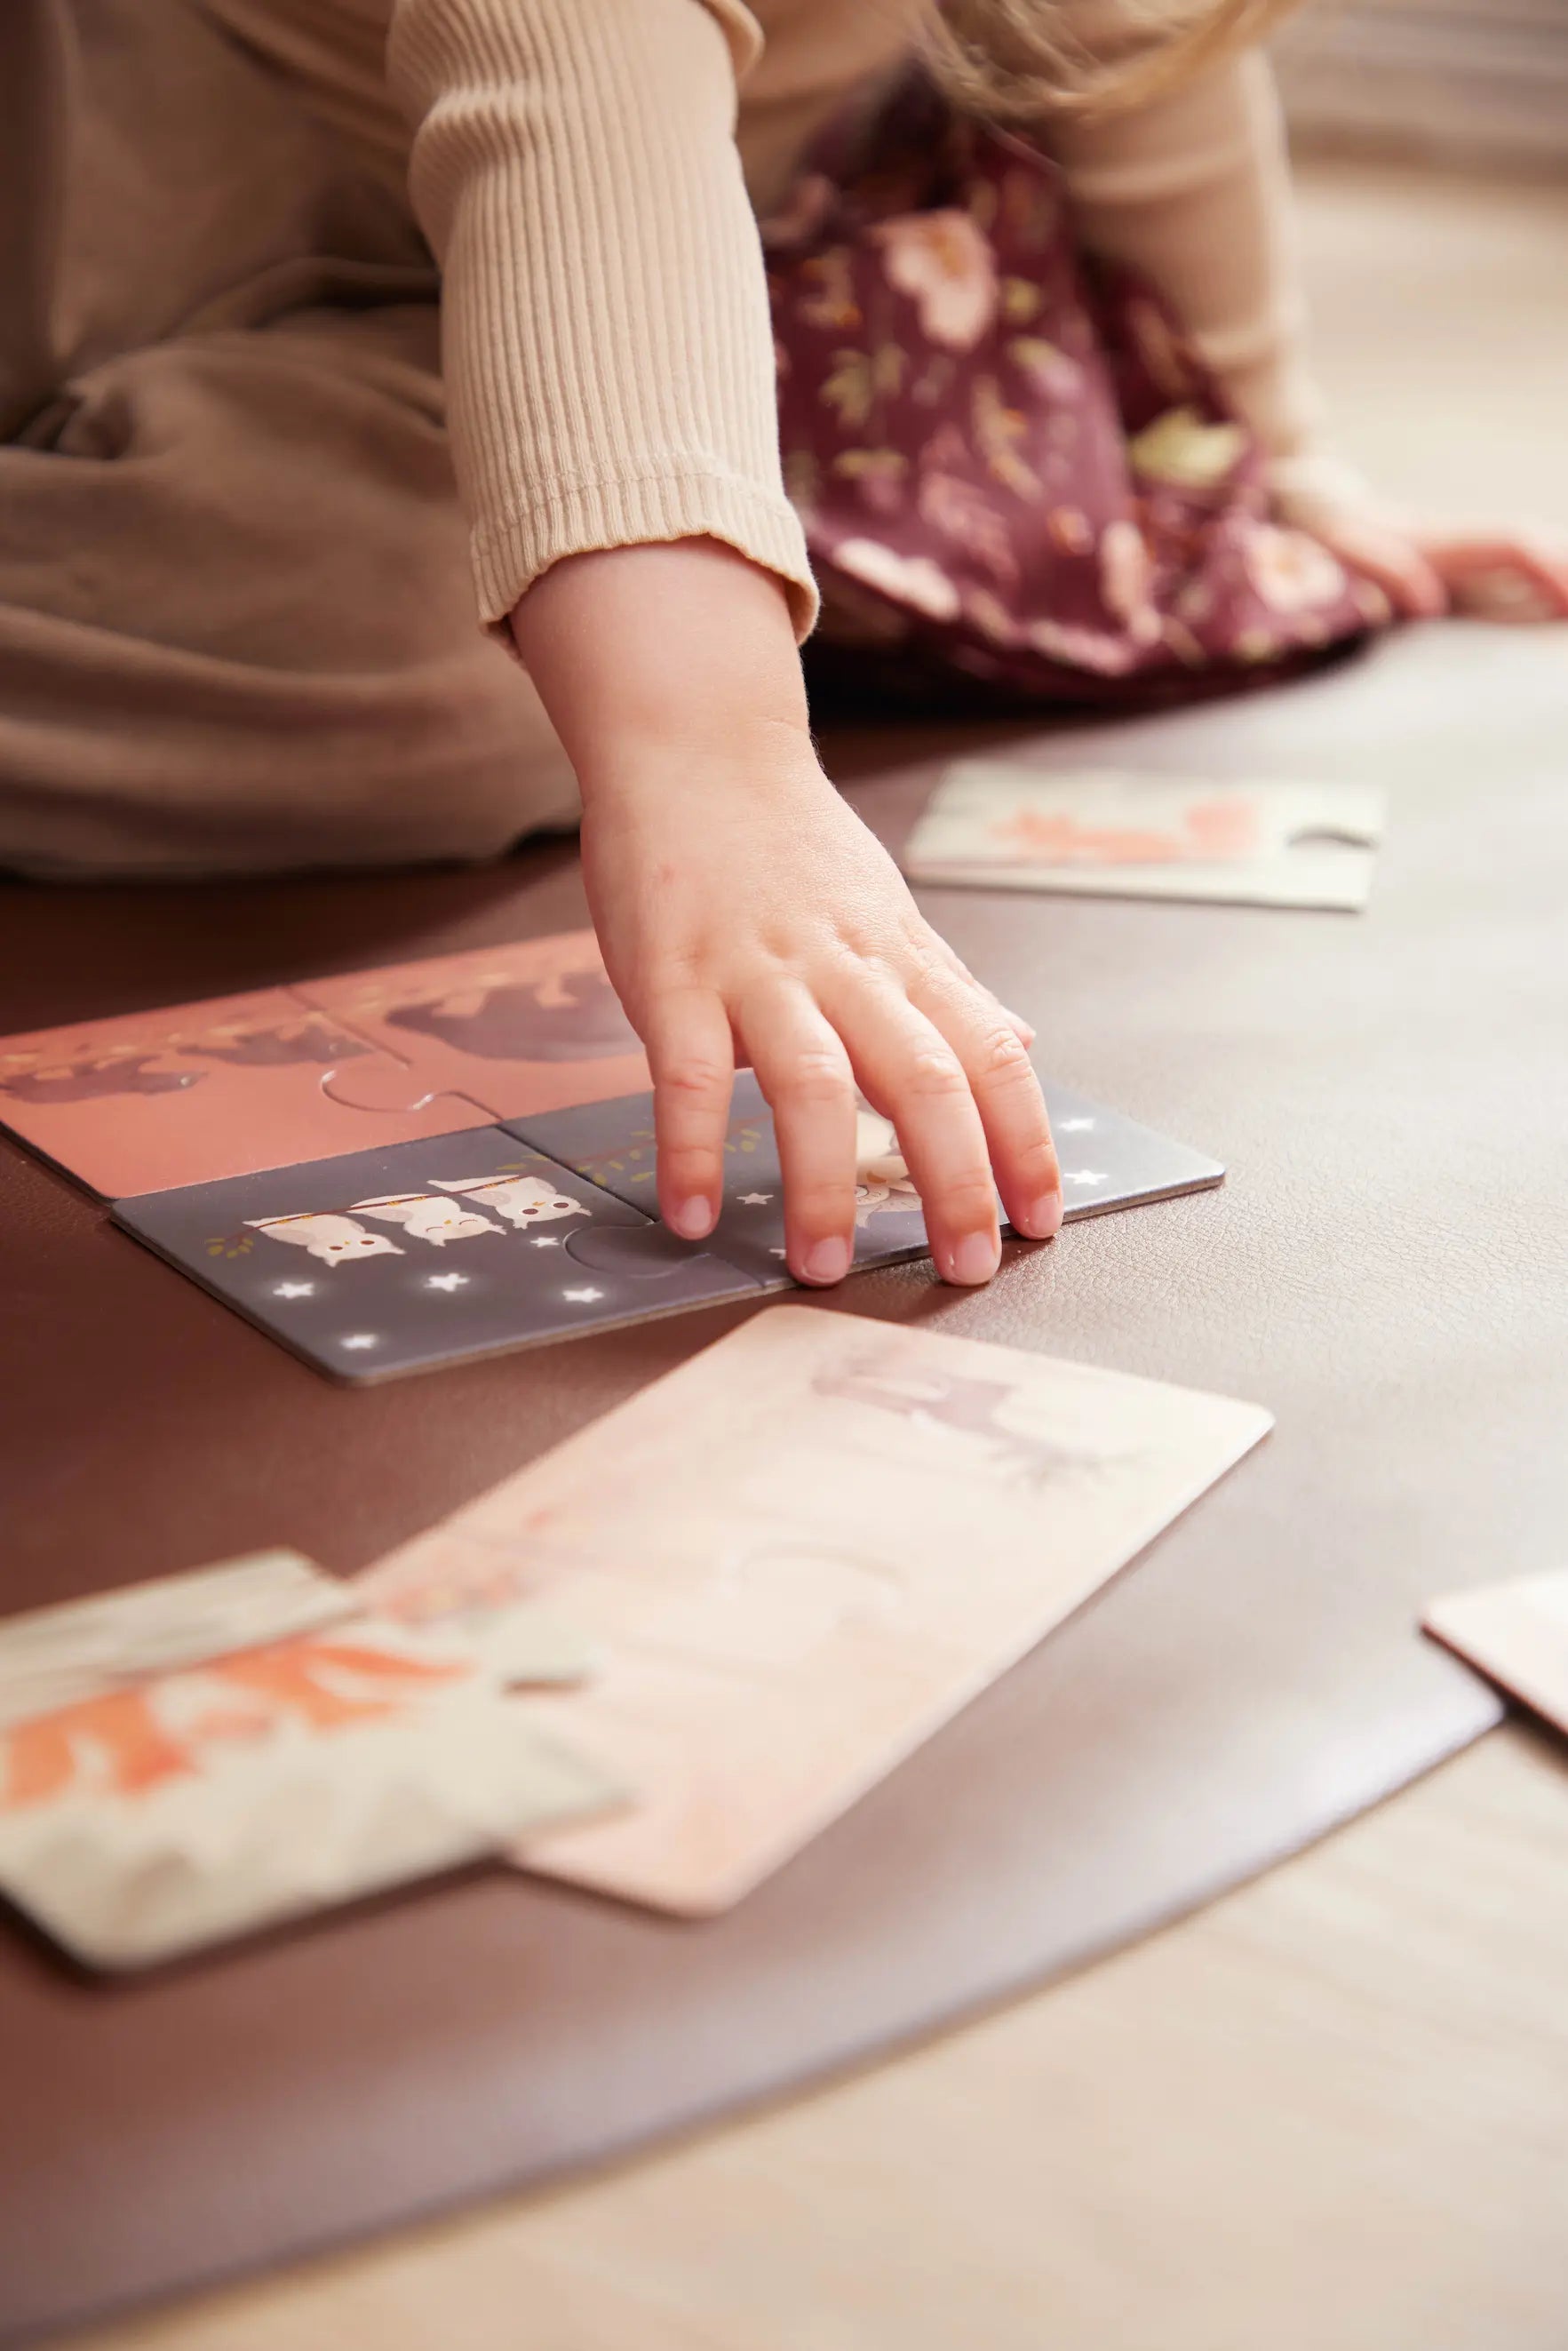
[1391, 561]
[906, 1064]
[805, 1075]
[692, 1055]
[955, 963]
[1007, 1093]
[1520, 576]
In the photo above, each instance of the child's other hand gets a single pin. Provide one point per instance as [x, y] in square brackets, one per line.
[1500, 575]
[1425, 568]
[743, 908]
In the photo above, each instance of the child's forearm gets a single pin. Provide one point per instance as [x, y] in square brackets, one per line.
[608, 355]
[1193, 192]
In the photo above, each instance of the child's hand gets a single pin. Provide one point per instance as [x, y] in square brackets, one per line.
[742, 906]
[1479, 575]
[1423, 567]
[741, 902]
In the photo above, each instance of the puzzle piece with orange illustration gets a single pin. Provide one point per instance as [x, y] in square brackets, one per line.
[217, 1751]
[1105, 833]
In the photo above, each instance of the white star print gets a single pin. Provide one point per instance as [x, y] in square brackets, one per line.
[777, 1252]
[754, 1199]
[546, 1240]
[360, 1339]
[294, 1290]
[1074, 1125]
[447, 1281]
[1084, 1175]
[582, 1297]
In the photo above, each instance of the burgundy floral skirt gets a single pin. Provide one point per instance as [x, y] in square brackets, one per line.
[1010, 466]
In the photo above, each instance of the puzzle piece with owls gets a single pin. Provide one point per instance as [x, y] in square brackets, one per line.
[430, 1252]
[426, 1253]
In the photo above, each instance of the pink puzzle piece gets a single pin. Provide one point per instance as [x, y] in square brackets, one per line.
[224, 1087]
[530, 1027]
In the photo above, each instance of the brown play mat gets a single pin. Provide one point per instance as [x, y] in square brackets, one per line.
[1386, 1267]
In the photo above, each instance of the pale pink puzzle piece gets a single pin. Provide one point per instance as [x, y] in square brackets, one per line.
[528, 1027]
[190, 1093]
[1514, 1633]
[798, 1555]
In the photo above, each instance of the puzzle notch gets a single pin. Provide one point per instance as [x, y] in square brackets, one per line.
[528, 1026]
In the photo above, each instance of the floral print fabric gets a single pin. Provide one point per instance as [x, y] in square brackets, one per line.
[1007, 460]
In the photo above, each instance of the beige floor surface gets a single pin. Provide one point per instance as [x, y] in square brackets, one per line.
[1328, 2114]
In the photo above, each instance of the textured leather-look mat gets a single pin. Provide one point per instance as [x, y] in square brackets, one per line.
[1385, 1267]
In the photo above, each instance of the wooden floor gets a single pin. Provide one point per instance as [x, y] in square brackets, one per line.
[1328, 2114]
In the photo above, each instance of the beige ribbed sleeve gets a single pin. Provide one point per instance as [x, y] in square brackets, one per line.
[1193, 190]
[609, 355]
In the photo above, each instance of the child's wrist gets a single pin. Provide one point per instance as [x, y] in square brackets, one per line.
[674, 661]
[686, 754]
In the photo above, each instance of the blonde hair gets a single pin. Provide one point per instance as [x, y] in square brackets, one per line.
[1013, 59]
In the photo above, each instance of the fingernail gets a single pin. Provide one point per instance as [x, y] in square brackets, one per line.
[693, 1219]
[827, 1261]
[974, 1259]
[1043, 1221]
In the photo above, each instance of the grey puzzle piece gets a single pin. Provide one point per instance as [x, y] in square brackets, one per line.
[425, 1253]
[612, 1143]
[1107, 1160]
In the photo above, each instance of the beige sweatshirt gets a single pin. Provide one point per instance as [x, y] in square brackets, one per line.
[588, 172]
